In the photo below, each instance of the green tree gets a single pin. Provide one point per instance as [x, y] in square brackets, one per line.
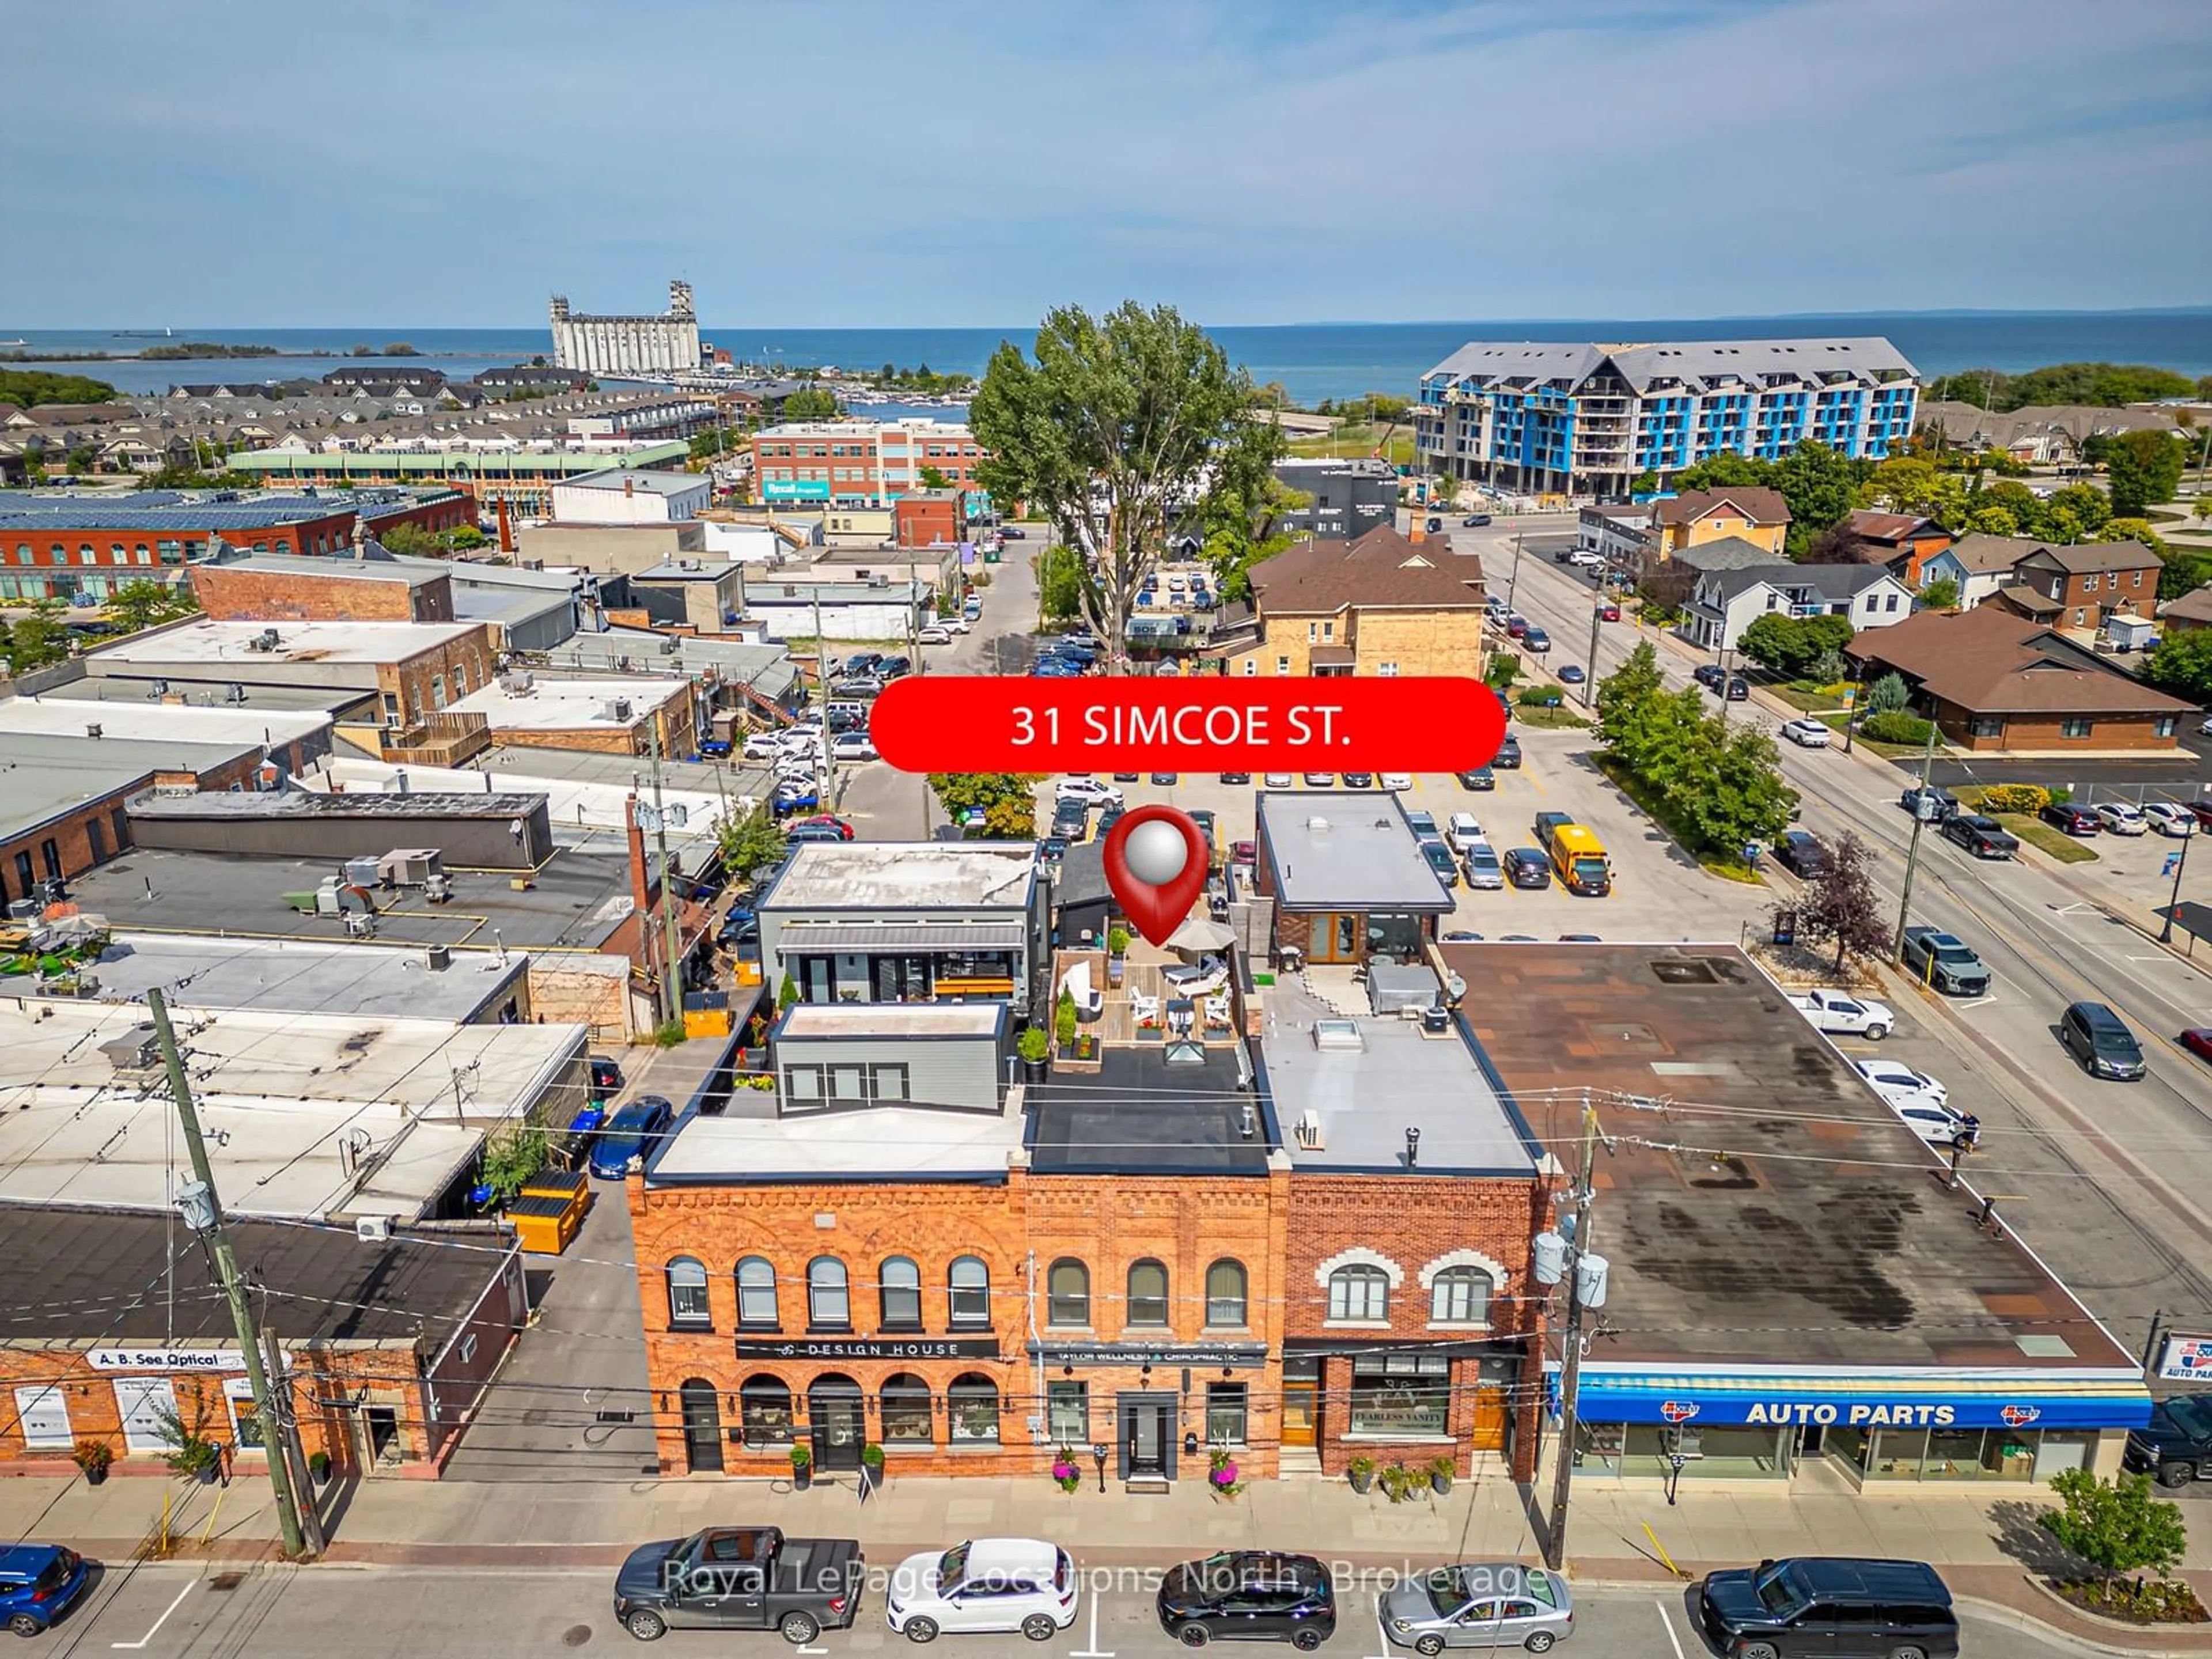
[2107, 386]
[1886, 694]
[1726, 471]
[2143, 469]
[408, 541]
[2183, 572]
[1007, 799]
[1941, 594]
[1819, 483]
[931, 478]
[465, 537]
[1243, 516]
[811, 404]
[140, 603]
[1738, 796]
[1110, 432]
[512, 1156]
[27, 387]
[1644, 483]
[2070, 515]
[2117, 1526]
[1061, 581]
[80, 458]
[748, 840]
[1776, 642]
[2180, 663]
[37, 641]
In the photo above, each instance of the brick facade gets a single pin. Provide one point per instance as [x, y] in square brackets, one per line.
[431, 681]
[2033, 732]
[1190, 1358]
[1413, 1229]
[94, 831]
[229, 594]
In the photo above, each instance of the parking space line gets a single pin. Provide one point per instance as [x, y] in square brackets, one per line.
[1382, 1640]
[158, 1623]
[1091, 1652]
[1667, 1618]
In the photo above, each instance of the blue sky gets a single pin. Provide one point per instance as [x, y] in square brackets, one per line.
[844, 162]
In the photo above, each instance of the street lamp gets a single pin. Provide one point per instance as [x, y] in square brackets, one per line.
[2173, 899]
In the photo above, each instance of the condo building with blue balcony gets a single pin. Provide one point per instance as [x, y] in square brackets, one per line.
[1551, 417]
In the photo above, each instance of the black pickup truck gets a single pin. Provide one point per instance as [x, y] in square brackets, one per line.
[740, 1578]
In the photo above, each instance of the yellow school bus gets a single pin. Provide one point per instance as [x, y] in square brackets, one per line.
[1579, 857]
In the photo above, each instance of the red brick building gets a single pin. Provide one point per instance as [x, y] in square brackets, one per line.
[862, 463]
[387, 1345]
[60, 547]
[271, 588]
[933, 518]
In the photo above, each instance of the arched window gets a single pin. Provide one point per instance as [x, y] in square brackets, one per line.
[905, 1407]
[899, 1282]
[1067, 1293]
[757, 1294]
[1460, 1296]
[969, 1285]
[1360, 1292]
[687, 1295]
[971, 1405]
[829, 1300]
[1225, 1293]
[1148, 1293]
[764, 1409]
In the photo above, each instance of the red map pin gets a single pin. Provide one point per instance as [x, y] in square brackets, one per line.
[1156, 863]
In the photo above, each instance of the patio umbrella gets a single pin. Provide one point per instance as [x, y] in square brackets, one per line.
[1199, 935]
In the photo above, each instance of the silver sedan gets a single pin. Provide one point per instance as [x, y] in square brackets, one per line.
[1485, 1604]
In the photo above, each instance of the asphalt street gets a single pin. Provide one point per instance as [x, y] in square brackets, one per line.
[2099, 1178]
[166, 1612]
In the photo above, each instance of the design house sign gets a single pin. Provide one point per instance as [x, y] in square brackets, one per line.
[921, 1347]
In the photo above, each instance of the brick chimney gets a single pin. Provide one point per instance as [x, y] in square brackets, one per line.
[506, 528]
[1418, 532]
[629, 485]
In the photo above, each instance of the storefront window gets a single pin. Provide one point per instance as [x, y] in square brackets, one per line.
[1951, 1454]
[764, 1409]
[1400, 1396]
[905, 1407]
[1068, 1412]
[1226, 1413]
[972, 1401]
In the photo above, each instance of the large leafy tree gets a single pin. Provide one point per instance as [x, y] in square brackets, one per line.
[2118, 1526]
[1819, 483]
[1121, 427]
[1719, 787]
[1790, 645]
[1004, 799]
[2143, 469]
[1738, 796]
[2107, 386]
[1243, 516]
[750, 839]
[1062, 581]
[2181, 663]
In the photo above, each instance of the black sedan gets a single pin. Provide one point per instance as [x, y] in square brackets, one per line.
[2074, 820]
[1509, 753]
[1480, 778]
[1358, 779]
[1529, 866]
[1233, 778]
[1248, 1596]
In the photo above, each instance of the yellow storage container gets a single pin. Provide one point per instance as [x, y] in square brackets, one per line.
[550, 1210]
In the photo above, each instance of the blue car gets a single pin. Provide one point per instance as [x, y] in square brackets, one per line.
[633, 1132]
[39, 1582]
[795, 798]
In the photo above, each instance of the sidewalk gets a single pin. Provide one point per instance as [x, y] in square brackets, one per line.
[1986, 1545]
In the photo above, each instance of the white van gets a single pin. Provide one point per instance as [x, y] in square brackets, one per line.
[1461, 832]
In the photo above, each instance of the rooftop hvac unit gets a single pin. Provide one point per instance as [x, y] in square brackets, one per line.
[92, 729]
[161, 689]
[622, 708]
[667, 648]
[879, 581]
[1317, 823]
[234, 693]
[409, 866]
[373, 1229]
[1309, 1131]
[267, 640]
[439, 958]
[360, 872]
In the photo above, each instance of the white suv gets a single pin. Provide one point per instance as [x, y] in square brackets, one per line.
[985, 1584]
[2123, 817]
[1088, 791]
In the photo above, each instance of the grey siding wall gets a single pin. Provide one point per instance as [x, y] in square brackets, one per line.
[962, 1072]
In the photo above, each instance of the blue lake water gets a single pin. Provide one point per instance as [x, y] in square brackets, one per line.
[1312, 361]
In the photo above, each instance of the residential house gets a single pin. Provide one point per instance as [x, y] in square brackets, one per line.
[1993, 679]
[1621, 535]
[1904, 542]
[1382, 605]
[1757, 515]
[2193, 610]
[2077, 586]
[1723, 603]
[1979, 564]
[2040, 434]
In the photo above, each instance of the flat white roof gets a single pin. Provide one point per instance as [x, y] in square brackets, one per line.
[894, 1142]
[858, 875]
[893, 1019]
[134, 717]
[631, 480]
[297, 642]
[108, 1146]
[570, 804]
[301, 1059]
[558, 705]
[304, 977]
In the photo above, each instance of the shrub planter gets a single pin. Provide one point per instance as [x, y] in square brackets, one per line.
[1361, 1473]
[872, 1468]
[1440, 1476]
[802, 1468]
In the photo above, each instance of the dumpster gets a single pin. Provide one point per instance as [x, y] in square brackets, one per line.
[550, 1210]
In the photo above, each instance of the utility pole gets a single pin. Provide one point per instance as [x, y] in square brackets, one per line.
[286, 1443]
[2173, 899]
[202, 1210]
[1513, 581]
[671, 993]
[1589, 674]
[821, 708]
[1571, 1352]
[1912, 847]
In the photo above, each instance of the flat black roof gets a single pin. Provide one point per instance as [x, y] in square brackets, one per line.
[1139, 1114]
[80, 1275]
[1760, 1204]
[578, 898]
